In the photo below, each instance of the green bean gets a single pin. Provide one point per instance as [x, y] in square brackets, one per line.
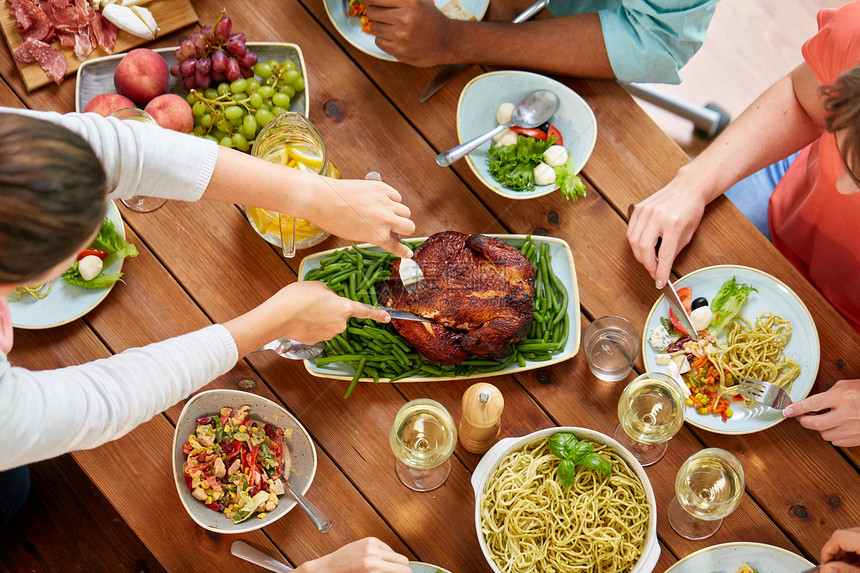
[536, 346]
[542, 357]
[371, 254]
[339, 358]
[355, 379]
[520, 359]
[406, 374]
[430, 370]
[340, 276]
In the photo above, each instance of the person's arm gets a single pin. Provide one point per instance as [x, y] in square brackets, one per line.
[842, 541]
[52, 412]
[785, 118]
[143, 159]
[637, 41]
[839, 422]
[368, 555]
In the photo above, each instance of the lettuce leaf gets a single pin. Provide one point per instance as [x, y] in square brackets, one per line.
[110, 241]
[513, 165]
[727, 304]
[568, 181]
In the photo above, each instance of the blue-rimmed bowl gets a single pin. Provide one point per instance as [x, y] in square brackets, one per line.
[476, 114]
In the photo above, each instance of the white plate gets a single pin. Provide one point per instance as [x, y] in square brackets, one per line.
[65, 302]
[728, 557]
[419, 567]
[96, 76]
[350, 28]
[476, 114]
[562, 266]
[772, 296]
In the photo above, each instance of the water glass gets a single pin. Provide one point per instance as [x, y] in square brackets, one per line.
[708, 487]
[650, 412]
[423, 437]
[611, 345]
[139, 203]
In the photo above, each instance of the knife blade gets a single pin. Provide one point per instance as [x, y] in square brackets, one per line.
[675, 302]
[399, 314]
[444, 75]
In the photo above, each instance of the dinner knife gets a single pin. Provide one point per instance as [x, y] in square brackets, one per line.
[399, 314]
[675, 302]
[445, 74]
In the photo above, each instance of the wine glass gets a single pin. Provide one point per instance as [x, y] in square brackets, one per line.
[650, 412]
[709, 486]
[139, 203]
[423, 437]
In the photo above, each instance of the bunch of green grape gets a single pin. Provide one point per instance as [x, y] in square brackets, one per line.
[232, 114]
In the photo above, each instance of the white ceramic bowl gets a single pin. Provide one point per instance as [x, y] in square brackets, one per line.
[488, 464]
[302, 453]
[476, 114]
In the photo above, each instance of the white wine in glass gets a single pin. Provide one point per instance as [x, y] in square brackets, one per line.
[650, 412]
[423, 437]
[139, 203]
[708, 487]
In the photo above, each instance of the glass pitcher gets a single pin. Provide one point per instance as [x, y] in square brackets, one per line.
[291, 140]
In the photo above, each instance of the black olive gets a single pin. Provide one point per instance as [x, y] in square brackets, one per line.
[699, 302]
[544, 127]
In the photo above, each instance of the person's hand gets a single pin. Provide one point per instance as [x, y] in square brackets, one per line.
[368, 555]
[842, 541]
[672, 214]
[841, 424]
[363, 211]
[306, 312]
[413, 31]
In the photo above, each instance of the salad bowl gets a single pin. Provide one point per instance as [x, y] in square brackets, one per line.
[302, 453]
[476, 114]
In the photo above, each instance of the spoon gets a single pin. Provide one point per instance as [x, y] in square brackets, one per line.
[531, 111]
[320, 521]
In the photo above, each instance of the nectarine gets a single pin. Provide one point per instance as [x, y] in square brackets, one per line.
[171, 112]
[141, 76]
[106, 104]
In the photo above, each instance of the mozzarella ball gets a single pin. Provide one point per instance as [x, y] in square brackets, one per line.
[90, 267]
[701, 317]
[555, 156]
[503, 114]
[544, 174]
[507, 137]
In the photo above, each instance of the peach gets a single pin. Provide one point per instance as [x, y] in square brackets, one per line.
[171, 112]
[141, 75]
[106, 104]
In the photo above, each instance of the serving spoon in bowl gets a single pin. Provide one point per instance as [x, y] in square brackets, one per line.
[533, 110]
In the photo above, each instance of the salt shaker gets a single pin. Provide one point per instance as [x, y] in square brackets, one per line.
[482, 411]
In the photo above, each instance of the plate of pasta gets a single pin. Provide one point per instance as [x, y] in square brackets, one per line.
[772, 338]
[732, 557]
[521, 503]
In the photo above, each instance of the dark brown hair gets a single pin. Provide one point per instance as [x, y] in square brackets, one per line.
[842, 102]
[52, 196]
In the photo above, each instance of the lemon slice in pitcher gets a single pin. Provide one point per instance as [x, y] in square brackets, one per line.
[308, 158]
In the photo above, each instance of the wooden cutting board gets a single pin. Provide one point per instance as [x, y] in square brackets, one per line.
[170, 15]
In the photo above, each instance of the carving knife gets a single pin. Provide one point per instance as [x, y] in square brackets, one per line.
[445, 74]
[400, 314]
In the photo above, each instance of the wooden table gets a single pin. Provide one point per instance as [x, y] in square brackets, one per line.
[202, 263]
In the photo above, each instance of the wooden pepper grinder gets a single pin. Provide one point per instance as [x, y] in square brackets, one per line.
[482, 412]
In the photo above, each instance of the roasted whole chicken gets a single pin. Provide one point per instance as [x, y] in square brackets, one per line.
[477, 289]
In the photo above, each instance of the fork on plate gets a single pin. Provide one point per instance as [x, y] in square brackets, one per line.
[764, 392]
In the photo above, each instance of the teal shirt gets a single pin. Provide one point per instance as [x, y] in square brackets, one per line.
[647, 40]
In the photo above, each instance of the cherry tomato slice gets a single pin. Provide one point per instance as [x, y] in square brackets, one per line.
[676, 323]
[554, 132]
[686, 296]
[96, 252]
[532, 132]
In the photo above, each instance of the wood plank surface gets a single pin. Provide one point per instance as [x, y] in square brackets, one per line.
[170, 15]
[202, 263]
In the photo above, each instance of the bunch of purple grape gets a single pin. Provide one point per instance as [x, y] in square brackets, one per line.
[214, 54]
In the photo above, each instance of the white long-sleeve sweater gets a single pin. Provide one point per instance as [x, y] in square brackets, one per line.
[47, 413]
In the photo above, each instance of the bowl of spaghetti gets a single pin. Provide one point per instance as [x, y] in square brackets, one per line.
[527, 521]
